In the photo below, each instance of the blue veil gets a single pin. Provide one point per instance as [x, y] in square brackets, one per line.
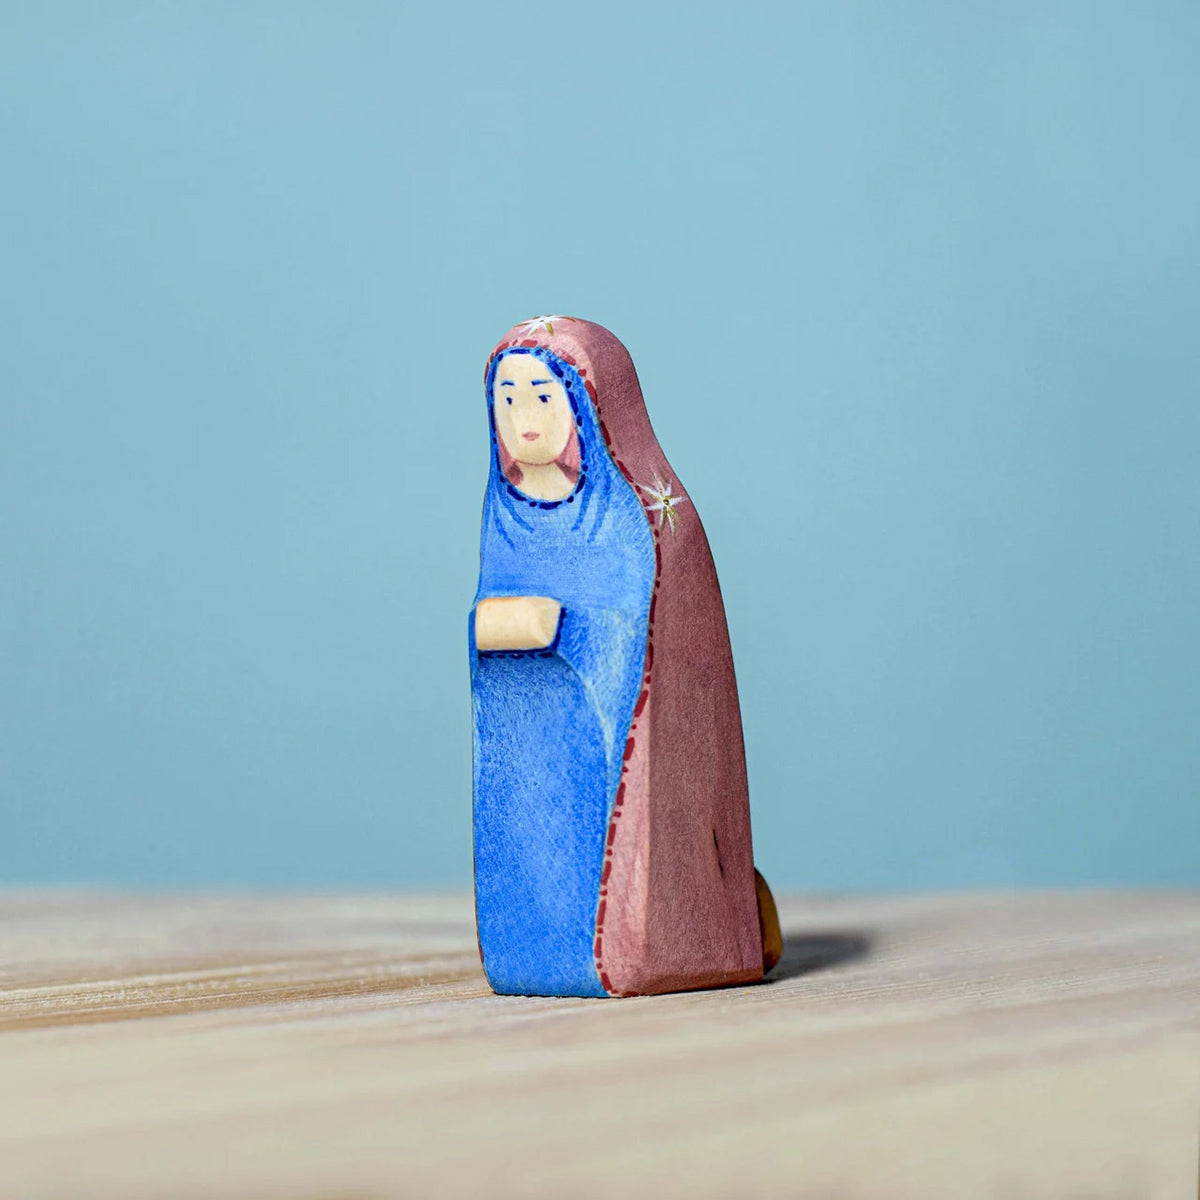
[551, 725]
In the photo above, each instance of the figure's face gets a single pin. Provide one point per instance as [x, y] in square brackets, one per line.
[532, 412]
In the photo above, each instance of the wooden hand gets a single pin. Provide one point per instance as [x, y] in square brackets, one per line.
[516, 622]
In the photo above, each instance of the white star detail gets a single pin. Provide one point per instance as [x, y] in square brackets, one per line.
[546, 323]
[664, 501]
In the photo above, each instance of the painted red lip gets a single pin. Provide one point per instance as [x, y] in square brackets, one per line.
[531, 437]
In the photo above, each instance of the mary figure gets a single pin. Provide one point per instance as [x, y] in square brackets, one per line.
[611, 819]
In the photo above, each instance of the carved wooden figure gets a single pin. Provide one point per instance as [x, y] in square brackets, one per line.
[611, 817]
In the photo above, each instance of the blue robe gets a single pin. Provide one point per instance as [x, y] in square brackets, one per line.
[551, 725]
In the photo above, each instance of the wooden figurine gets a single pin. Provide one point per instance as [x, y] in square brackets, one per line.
[611, 817]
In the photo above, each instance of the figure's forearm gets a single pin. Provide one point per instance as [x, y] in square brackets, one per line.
[516, 622]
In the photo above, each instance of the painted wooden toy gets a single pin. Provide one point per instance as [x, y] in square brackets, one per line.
[611, 817]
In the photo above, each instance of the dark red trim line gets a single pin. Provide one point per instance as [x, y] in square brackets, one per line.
[637, 712]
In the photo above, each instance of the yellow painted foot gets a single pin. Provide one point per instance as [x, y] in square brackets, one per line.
[768, 924]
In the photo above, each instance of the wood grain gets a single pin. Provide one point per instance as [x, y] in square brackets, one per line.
[1026, 1045]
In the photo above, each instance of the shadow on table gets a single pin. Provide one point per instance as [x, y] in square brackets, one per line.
[806, 952]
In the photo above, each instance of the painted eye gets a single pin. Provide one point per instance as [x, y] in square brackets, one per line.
[509, 399]
[544, 399]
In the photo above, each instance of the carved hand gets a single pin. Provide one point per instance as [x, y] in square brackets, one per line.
[516, 622]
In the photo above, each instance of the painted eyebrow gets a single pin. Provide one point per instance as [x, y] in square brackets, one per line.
[537, 382]
[507, 383]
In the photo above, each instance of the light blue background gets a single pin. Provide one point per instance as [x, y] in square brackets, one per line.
[913, 291]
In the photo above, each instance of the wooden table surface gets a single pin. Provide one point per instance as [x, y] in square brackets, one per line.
[982, 1045]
